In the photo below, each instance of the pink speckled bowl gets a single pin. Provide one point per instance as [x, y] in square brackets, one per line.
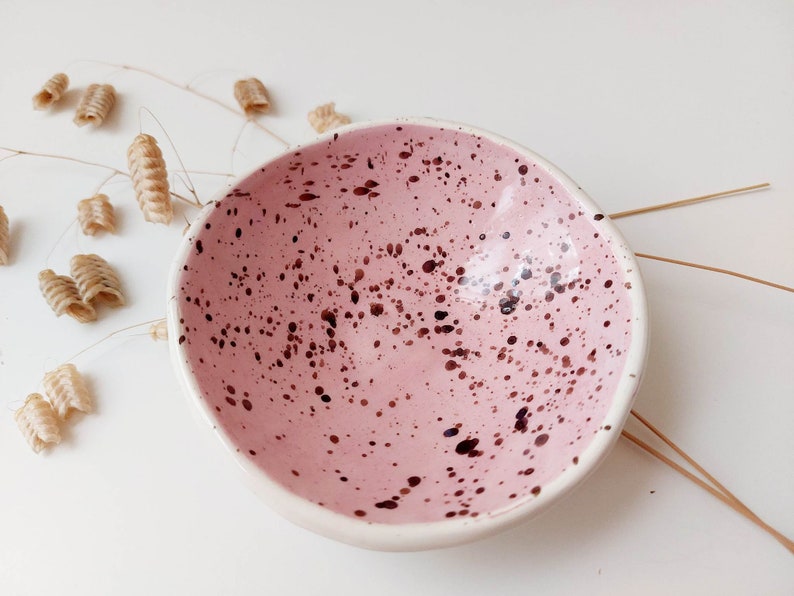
[411, 334]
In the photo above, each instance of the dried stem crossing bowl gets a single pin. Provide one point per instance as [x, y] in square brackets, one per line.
[410, 334]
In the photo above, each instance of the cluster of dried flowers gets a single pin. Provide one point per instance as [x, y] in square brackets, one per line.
[95, 104]
[92, 280]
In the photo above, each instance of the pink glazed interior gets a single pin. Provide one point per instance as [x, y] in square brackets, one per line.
[406, 323]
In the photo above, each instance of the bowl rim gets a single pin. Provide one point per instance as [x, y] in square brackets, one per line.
[443, 533]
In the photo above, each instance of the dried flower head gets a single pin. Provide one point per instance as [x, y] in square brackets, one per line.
[5, 241]
[252, 96]
[38, 423]
[325, 117]
[61, 293]
[159, 331]
[96, 214]
[96, 280]
[96, 103]
[66, 390]
[51, 91]
[150, 179]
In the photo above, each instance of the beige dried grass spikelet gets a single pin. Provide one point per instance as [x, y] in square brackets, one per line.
[159, 331]
[66, 390]
[61, 293]
[38, 423]
[96, 280]
[5, 240]
[51, 91]
[96, 214]
[150, 179]
[252, 96]
[325, 117]
[96, 103]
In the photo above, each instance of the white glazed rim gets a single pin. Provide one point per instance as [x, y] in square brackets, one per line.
[428, 535]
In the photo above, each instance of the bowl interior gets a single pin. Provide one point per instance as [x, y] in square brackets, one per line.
[407, 323]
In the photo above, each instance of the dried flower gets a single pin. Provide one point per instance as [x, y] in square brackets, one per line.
[159, 330]
[95, 214]
[4, 238]
[325, 117]
[61, 293]
[150, 179]
[51, 91]
[252, 96]
[96, 103]
[37, 422]
[96, 280]
[66, 389]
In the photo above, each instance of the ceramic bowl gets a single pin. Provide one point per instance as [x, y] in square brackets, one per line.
[410, 334]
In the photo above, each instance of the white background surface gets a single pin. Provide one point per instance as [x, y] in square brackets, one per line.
[640, 102]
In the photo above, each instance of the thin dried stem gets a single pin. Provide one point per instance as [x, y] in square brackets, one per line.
[738, 504]
[211, 73]
[192, 90]
[104, 182]
[680, 469]
[716, 488]
[113, 334]
[208, 173]
[684, 202]
[116, 171]
[687, 458]
[239, 136]
[58, 242]
[20, 152]
[184, 199]
[716, 270]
